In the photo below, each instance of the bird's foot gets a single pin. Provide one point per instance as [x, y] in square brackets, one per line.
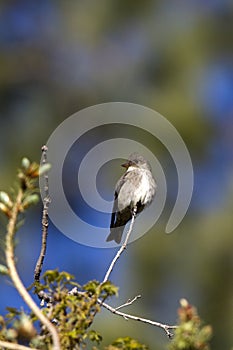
[134, 211]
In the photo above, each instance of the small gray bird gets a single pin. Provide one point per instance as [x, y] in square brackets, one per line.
[134, 191]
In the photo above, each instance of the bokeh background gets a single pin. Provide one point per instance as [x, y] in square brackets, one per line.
[175, 57]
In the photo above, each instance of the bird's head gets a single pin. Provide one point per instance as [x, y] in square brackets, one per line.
[135, 160]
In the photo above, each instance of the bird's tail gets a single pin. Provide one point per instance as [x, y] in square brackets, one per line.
[115, 234]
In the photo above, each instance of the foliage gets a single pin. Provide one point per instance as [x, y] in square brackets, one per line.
[126, 343]
[191, 334]
[72, 307]
[27, 180]
[17, 326]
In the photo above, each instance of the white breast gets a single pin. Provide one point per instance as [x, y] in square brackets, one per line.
[146, 190]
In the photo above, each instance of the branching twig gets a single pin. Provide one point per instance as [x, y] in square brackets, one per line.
[126, 316]
[129, 302]
[45, 222]
[13, 346]
[122, 248]
[14, 274]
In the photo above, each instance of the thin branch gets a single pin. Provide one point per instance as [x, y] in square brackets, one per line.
[14, 274]
[129, 302]
[126, 316]
[13, 346]
[122, 248]
[45, 221]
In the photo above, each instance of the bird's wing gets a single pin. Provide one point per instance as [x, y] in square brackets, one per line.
[114, 210]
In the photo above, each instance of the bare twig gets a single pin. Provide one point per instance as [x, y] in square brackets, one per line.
[122, 248]
[13, 346]
[126, 316]
[14, 274]
[45, 222]
[129, 302]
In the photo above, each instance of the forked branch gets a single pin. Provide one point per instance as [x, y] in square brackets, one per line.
[127, 316]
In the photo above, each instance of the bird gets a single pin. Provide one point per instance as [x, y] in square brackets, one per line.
[134, 191]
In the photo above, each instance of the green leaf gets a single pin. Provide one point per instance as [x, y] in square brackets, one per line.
[25, 163]
[91, 286]
[3, 270]
[95, 336]
[109, 288]
[5, 199]
[32, 199]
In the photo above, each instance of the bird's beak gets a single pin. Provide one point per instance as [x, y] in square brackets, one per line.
[126, 164]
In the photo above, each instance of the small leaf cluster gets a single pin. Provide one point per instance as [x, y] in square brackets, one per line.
[28, 175]
[126, 343]
[71, 307]
[191, 334]
[16, 327]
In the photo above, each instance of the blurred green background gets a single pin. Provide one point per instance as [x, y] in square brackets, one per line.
[175, 57]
